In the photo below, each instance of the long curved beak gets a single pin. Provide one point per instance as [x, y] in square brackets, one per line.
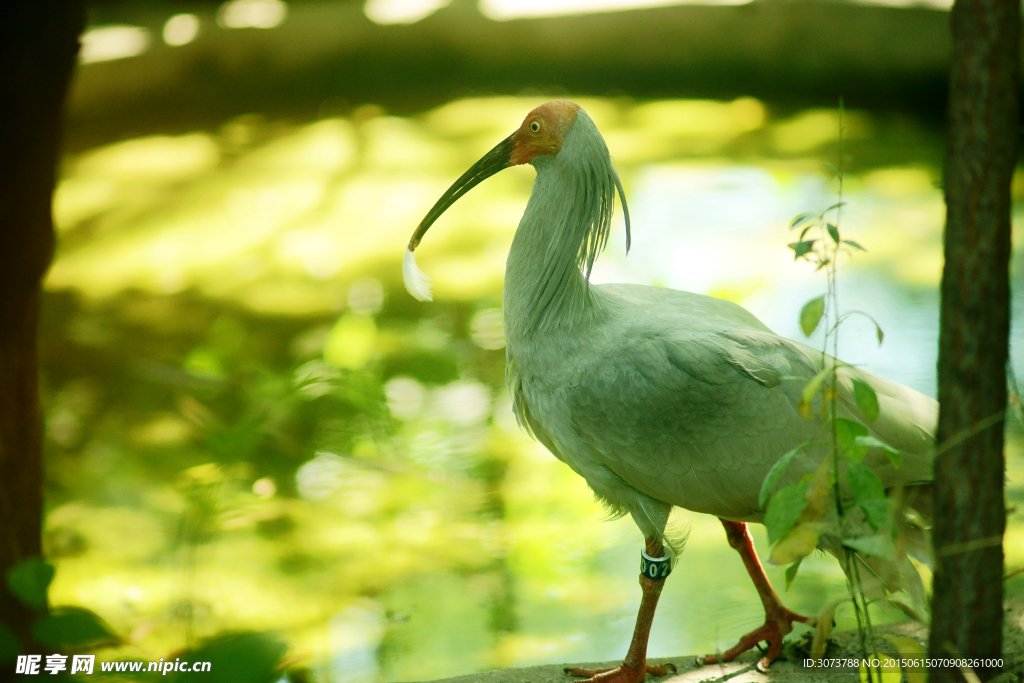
[496, 160]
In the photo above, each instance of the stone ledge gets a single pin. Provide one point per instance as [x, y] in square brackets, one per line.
[744, 671]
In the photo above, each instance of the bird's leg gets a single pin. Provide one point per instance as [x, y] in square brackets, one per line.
[634, 667]
[778, 620]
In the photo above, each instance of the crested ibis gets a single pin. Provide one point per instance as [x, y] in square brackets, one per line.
[657, 397]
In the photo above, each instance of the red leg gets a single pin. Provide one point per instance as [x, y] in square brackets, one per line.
[778, 621]
[634, 667]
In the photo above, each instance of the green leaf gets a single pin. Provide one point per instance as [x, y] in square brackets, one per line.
[29, 580]
[777, 471]
[791, 571]
[809, 390]
[876, 511]
[879, 545]
[784, 509]
[864, 484]
[855, 453]
[819, 492]
[834, 206]
[73, 628]
[906, 646]
[802, 219]
[879, 333]
[810, 314]
[847, 431]
[867, 400]
[798, 543]
[853, 244]
[871, 442]
[909, 649]
[10, 648]
[833, 231]
[913, 609]
[239, 657]
[801, 248]
[895, 457]
[826, 620]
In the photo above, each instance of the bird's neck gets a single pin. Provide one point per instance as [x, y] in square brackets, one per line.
[545, 291]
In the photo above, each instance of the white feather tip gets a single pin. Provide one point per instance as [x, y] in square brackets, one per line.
[416, 281]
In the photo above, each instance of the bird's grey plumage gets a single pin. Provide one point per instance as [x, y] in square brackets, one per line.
[658, 397]
[662, 398]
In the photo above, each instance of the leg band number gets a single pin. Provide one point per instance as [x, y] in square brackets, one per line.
[655, 567]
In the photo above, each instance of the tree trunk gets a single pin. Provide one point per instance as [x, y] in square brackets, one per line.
[973, 340]
[38, 45]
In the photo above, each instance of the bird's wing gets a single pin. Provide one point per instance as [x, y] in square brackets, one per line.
[688, 403]
[694, 410]
[906, 421]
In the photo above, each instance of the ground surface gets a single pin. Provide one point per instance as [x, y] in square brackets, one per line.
[743, 670]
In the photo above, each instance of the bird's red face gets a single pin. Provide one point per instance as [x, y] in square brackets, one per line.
[543, 131]
[542, 134]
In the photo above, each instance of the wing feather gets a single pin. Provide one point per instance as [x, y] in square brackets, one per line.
[693, 406]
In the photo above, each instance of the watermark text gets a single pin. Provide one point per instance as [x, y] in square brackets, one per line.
[85, 664]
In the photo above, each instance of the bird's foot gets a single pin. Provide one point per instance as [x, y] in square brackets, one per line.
[777, 624]
[621, 674]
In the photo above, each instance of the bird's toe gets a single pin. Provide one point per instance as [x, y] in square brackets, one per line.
[661, 669]
[772, 632]
[621, 673]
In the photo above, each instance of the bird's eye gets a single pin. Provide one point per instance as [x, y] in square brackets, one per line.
[535, 126]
